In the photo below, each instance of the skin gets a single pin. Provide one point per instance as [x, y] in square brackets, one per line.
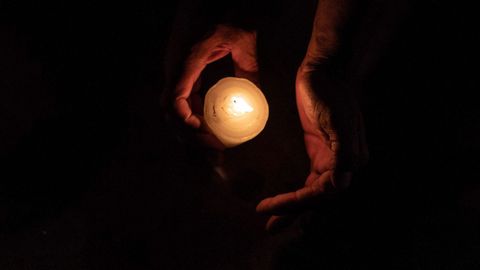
[331, 121]
[330, 118]
[226, 40]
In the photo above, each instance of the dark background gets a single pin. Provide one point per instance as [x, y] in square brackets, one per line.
[93, 176]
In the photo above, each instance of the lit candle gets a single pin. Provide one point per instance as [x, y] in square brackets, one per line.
[235, 110]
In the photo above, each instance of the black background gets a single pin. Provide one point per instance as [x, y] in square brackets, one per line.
[93, 176]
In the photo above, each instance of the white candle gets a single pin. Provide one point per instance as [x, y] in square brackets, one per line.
[235, 110]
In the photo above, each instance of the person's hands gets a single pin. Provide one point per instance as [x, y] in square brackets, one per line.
[225, 40]
[335, 144]
[332, 124]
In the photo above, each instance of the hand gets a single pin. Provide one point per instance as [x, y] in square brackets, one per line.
[332, 124]
[225, 40]
[335, 144]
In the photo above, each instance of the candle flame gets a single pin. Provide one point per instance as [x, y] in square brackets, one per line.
[239, 106]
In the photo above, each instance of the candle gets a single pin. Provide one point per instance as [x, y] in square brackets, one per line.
[235, 110]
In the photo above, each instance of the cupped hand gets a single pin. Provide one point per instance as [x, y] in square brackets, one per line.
[335, 144]
[330, 118]
[225, 40]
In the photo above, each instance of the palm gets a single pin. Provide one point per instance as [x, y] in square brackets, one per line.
[321, 138]
[322, 142]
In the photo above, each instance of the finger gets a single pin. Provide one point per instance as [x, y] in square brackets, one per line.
[297, 201]
[311, 179]
[287, 203]
[189, 111]
[276, 224]
[185, 112]
[220, 51]
[183, 90]
[321, 155]
[337, 180]
[244, 56]
[202, 54]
